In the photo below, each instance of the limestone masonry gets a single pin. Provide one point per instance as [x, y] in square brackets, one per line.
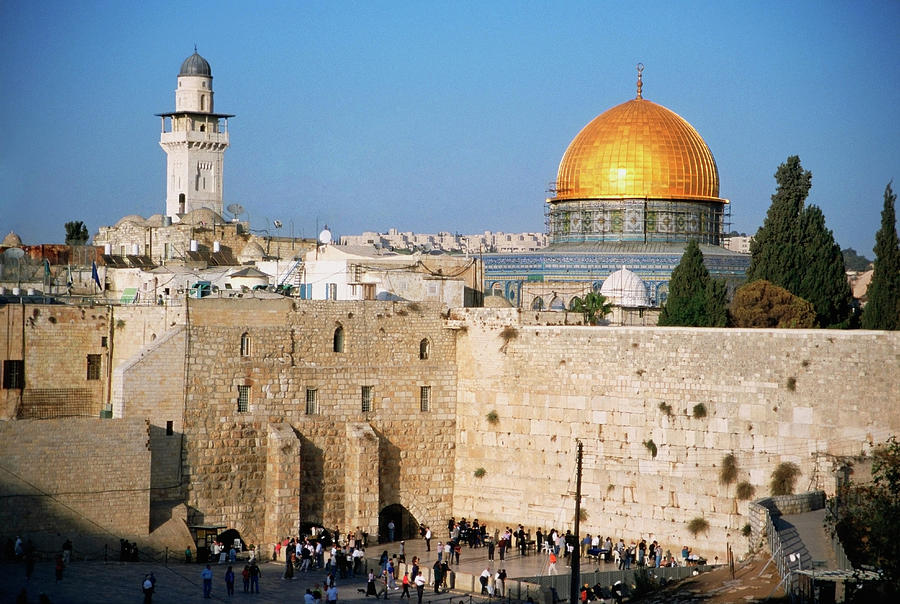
[268, 415]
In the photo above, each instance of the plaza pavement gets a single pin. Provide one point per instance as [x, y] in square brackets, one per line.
[177, 582]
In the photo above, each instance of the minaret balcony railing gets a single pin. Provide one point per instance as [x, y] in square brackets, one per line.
[194, 136]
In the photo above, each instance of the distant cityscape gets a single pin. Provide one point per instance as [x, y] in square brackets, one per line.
[486, 242]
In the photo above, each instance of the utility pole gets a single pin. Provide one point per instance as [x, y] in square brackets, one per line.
[575, 579]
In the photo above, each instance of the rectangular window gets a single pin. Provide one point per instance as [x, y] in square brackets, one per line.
[425, 398]
[103, 341]
[170, 428]
[14, 374]
[366, 399]
[243, 399]
[331, 291]
[312, 401]
[93, 366]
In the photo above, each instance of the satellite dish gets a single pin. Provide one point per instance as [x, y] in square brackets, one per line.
[14, 253]
[325, 236]
[236, 209]
[277, 223]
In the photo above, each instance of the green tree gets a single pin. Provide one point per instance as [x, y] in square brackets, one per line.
[775, 253]
[694, 298]
[824, 280]
[868, 516]
[882, 310]
[76, 233]
[763, 304]
[593, 307]
[853, 261]
[795, 250]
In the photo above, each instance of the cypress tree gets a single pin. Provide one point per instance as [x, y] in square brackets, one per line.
[823, 281]
[882, 311]
[795, 250]
[694, 299]
[775, 252]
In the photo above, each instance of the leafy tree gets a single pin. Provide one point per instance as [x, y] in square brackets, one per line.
[882, 311]
[794, 249]
[593, 307]
[869, 514]
[694, 298]
[762, 304]
[853, 261]
[76, 233]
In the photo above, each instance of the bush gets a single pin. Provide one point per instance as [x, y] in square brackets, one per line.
[784, 478]
[480, 472]
[699, 411]
[746, 530]
[698, 525]
[728, 473]
[745, 491]
[763, 304]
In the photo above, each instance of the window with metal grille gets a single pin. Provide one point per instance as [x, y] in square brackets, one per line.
[366, 399]
[243, 399]
[338, 340]
[425, 398]
[93, 366]
[14, 374]
[312, 401]
[331, 291]
[245, 344]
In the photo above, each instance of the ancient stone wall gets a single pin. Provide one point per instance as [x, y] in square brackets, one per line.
[291, 374]
[657, 410]
[85, 475]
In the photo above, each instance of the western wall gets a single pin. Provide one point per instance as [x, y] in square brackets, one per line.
[813, 397]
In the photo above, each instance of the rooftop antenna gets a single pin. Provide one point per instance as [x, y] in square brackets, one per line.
[640, 83]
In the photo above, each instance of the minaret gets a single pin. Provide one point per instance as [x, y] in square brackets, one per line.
[194, 139]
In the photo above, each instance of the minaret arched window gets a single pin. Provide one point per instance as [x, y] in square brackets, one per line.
[245, 344]
[339, 339]
[424, 349]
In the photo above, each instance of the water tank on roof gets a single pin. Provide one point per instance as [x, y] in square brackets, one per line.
[216, 247]
[107, 248]
[134, 249]
[193, 245]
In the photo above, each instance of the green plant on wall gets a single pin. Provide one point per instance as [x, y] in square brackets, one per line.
[784, 477]
[492, 418]
[651, 446]
[728, 472]
[745, 491]
[699, 411]
[697, 525]
[480, 472]
[665, 408]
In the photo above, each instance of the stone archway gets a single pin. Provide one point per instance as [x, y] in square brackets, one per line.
[406, 526]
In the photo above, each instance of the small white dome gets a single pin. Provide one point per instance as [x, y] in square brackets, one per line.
[624, 288]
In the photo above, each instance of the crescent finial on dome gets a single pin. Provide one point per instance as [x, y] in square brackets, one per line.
[640, 83]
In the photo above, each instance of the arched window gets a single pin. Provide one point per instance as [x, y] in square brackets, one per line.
[557, 304]
[537, 303]
[424, 349]
[245, 344]
[339, 339]
[573, 302]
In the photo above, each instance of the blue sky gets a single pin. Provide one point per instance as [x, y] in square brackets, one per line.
[430, 116]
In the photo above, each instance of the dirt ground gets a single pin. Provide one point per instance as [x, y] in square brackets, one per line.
[755, 580]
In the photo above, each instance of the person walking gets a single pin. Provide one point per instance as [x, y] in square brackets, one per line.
[551, 569]
[255, 574]
[420, 587]
[206, 574]
[147, 587]
[229, 581]
[405, 591]
[331, 594]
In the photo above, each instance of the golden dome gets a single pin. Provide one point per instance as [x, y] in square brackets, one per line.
[635, 150]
